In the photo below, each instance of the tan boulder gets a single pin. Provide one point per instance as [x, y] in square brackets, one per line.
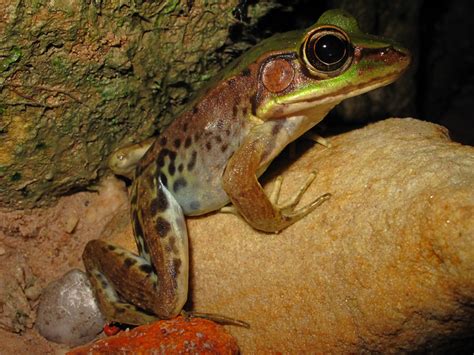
[386, 264]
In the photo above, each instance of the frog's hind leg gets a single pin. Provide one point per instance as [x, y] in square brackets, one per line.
[99, 258]
[130, 286]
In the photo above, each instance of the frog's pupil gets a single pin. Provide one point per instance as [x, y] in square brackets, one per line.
[330, 49]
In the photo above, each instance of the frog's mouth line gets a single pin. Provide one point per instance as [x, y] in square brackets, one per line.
[292, 107]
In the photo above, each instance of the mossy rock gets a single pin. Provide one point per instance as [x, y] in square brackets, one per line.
[80, 78]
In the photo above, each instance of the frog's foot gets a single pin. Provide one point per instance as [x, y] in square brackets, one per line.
[217, 318]
[318, 139]
[288, 207]
[112, 305]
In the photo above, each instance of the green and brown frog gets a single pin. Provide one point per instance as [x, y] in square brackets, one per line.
[215, 150]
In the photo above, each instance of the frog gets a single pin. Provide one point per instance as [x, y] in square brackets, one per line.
[215, 150]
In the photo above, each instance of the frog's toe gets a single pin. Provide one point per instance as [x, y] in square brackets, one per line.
[293, 215]
[293, 201]
[288, 208]
[229, 209]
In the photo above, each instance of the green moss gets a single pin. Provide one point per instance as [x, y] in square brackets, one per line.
[15, 55]
[170, 7]
[61, 66]
[114, 90]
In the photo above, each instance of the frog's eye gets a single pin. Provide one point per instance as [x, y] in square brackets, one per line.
[326, 51]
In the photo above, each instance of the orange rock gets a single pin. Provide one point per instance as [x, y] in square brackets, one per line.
[177, 336]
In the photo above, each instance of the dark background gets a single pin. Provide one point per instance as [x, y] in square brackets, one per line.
[438, 87]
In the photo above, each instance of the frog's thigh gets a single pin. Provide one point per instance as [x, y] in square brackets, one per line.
[162, 239]
[155, 281]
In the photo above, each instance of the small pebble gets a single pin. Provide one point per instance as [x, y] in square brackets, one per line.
[68, 312]
[70, 224]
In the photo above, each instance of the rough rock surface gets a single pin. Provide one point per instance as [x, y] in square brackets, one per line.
[79, 78]
[18, 292]
[386, 264]
[174, 336]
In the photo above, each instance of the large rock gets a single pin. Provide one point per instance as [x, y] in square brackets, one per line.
[105, 73]
[386, 264]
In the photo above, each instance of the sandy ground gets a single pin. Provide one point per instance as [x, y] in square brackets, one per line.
[51, 241]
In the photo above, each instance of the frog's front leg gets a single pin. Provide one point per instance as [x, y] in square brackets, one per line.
[129, 287]
[240, 179]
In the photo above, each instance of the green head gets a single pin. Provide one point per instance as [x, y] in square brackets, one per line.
[320, 66]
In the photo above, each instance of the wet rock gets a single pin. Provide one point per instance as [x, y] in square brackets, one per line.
[68, 312]
[175, 336]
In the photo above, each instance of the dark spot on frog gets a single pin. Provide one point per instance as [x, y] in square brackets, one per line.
[146, 268]
[160, 161]
[192, 161]
[177, 143]
[245, 110]
[227, 132]
[172, 168]
[194, 205]
[171, 247]
[163, 141]
[195, 110]
[162, 227]
[276, 128]
[120, 310]
[208, 145]
[162, 200]
[176, 266]
[185, 127]
[180, 167]
[163, 154]
[172, 155]
[111, 247]
[218, 139]
[234, 110]
[224, 147]
[154, 206]
[129, 262]
[197, 135]
[179, 184]
[246, 72]
[104, 283]
[187, 142]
